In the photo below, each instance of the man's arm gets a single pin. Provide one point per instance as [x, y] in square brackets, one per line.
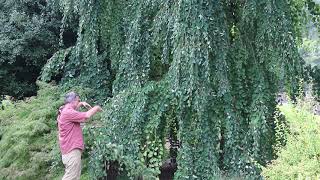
[76, 116]
[85, 104]
[93, 111]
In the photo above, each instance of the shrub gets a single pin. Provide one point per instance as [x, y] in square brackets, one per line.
[28, 137]
[299, 158]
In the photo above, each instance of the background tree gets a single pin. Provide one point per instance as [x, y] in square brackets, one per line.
[29, 35]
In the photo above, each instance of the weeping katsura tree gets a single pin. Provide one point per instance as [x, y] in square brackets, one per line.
[205, 73]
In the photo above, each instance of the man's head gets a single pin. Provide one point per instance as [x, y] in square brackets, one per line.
[72, 98]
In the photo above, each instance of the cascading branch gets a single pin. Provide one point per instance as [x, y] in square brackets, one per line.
[199, 80]
[210, 68]
[263, 56]
[84, 63]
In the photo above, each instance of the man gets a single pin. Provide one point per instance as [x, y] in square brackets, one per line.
[70, 133]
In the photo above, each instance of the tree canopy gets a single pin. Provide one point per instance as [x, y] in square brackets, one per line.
[211, 68]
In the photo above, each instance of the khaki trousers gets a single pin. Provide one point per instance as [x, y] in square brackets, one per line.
[72, 164]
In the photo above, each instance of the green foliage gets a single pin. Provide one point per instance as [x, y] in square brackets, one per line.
[302, 13]
[214, 67]
[315, 74]
[55, 64]
[309, 51]
[203, 72]
[80, 64]
[28, 136]
[27, 39]
[139, 154]
[299, 158]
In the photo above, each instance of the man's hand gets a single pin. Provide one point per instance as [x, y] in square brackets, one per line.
[85, 104]
[99, 108]
[93, 111]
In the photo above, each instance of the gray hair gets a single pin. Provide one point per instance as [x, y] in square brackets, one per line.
[69, 97]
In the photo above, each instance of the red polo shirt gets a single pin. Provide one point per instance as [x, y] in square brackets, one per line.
[70, 132]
